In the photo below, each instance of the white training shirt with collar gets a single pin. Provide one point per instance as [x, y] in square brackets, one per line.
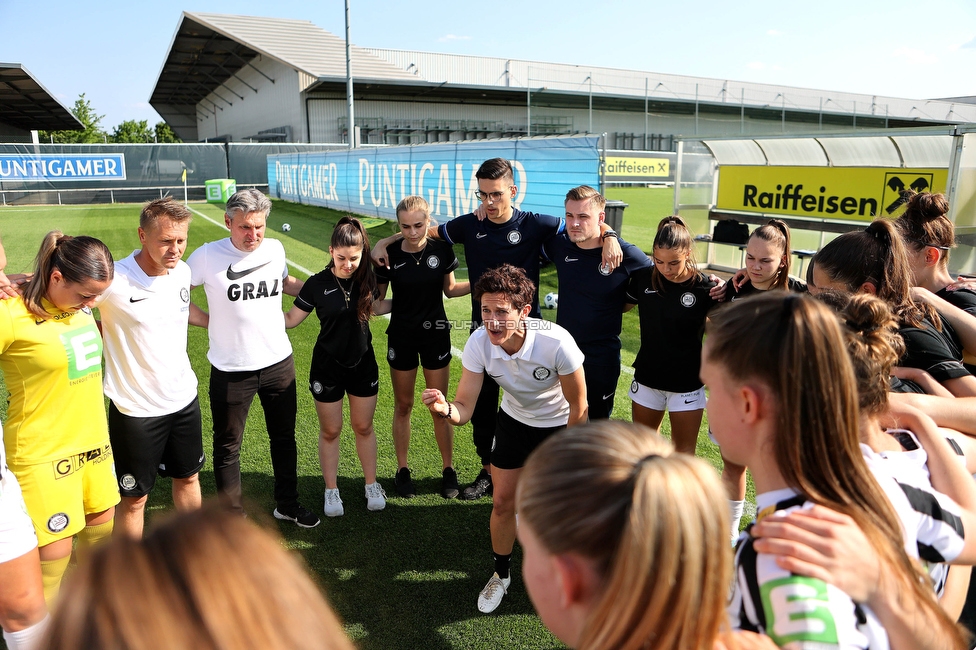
[247, 326]
[530, 377]
[144, 328]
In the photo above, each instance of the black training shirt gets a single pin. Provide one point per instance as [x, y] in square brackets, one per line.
[672, 323]
[342, 337]
[418, 285]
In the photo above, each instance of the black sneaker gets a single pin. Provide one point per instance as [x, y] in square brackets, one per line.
[449, 484]
[403, 484]
[481, 487]
[301, 515]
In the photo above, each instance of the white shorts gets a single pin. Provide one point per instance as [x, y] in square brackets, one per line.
[17, 535]
[662, 400]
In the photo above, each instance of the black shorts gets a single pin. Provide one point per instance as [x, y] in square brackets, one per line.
[514, 441]
[601, 388]
[170, 445]
[329, 381]
[432, 346]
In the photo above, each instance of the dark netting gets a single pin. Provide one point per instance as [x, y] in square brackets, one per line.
[151, 171]
[248, 163]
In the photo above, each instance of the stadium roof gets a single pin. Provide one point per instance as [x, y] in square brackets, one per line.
[26, 104]
[208, 49]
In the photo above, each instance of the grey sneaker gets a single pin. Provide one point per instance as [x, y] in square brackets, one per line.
[375, 497]
[491, 596]
[333, 504]
[482, 486]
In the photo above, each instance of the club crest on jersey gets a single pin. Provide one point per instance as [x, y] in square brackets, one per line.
[541, 373]
[127, 482]
[391, 354]
[433, 262]
[184, 294]
[604, 269]
[317, 387]
[688, 299]
[58, 522]
[514, 237]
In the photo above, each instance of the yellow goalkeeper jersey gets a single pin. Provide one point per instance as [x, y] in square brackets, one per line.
[53, 370]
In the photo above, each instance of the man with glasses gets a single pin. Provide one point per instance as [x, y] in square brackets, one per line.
[495, 234]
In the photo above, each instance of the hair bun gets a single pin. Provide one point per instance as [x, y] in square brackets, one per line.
[927, 206]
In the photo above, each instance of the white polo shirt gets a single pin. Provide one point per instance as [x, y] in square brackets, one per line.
[144, 322]
[530, 377]
[247, 326]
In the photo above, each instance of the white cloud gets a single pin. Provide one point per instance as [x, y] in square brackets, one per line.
[453, 37]
[757, 65]
[915, 56]
[778, 68]
[969, 45]
[774, 32]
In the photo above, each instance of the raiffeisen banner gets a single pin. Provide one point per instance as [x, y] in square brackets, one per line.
[849, 193]
[638, 166]
[62, 167]
[373, 180]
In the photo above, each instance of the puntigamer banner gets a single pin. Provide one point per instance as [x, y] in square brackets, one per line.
[374, 180]
[58, 167]
[850, 193]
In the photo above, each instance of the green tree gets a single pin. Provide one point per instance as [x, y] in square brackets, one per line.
[91, 120]
[165, 134]
[132, 131]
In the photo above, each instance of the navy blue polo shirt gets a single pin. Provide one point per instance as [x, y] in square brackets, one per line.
[590, 301]
[487, 245]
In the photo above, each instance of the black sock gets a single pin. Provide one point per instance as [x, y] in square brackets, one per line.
[502, 564]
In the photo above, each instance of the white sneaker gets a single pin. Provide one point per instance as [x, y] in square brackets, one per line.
[491, 596]
[375, 497]
[333, 504]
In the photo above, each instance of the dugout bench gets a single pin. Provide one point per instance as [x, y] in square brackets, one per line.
[822, 226]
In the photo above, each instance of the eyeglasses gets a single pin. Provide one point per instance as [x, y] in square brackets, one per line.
[494, 196]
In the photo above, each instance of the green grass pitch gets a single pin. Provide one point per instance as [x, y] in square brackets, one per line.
[407, 577]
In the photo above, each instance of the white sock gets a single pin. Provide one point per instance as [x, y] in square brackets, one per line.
[28, 638]
[735, 514]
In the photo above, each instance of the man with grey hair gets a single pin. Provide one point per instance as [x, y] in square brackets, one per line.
[245, 276]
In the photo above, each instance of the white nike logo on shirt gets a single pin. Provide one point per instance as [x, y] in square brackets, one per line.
[330, 291]
[608, 396]
[649, 291]
[396, 266]
[480, 235]
[571, 259]
[442, 357]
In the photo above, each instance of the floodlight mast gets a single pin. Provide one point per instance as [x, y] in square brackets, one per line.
[349, 100]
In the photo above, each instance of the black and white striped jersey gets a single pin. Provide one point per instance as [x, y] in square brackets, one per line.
[796, 612]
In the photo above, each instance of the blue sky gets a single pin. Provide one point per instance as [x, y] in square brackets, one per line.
[113, 50]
